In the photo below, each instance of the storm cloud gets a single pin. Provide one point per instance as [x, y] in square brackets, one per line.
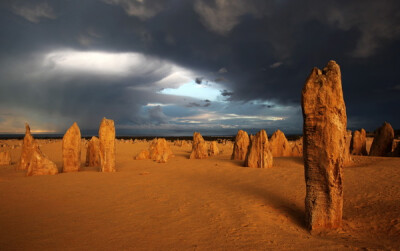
[152, 64]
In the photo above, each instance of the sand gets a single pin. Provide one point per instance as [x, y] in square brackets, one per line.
[211, 204]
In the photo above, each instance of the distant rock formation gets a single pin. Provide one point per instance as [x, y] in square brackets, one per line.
[28, 147]
[93, 152]
[241, 146]
[160, 151]
[71, 149]
[5, 158]
[259, 154]
[39, 164]
[297, 147]
[213, 149]
[107, 145]
[396, 151]
[358, 144]
[324, 130]
[144, 154]
[199, 147]
[383, 140]
[347, 160]
[280, 146]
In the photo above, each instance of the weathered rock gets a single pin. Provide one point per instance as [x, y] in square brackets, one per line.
[324, 130]
[160, 151]
[93, 152]
[199, 147]
[5, 158]
[144, 154]
[280, 146]
[259, 154]
[358, 144]
[213, 149]
[29, 145]
[241, 146]
[107, 145]
[71, 149]
[383, 140]
[297, 147]
[396, 150]
[347, 160]
[39, 164]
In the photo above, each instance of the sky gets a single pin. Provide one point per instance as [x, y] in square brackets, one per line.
[172, 67]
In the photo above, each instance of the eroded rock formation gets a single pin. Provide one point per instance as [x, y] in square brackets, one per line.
[347, 160]
[324, 130]
[107, 145]
[280, 146]
[5, 158]
[144, 154]
[160, 151]
[199, 147]
[213, 149]
[358, 144]
[383, 140]
[297, 147]
[28, 147]
[71, 149]
[259, 154]
[93, 152]
[39, 164]
[241, 146]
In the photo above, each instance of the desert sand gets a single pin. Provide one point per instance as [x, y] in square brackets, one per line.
[190, 204]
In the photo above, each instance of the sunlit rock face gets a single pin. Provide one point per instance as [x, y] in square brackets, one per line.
[280, 146]
[5, 158]
[199, 147]
[107, 145]
[28, 147]
[160, 151]
[383, 140]
[324, 130]
[358, 144]
[71, 149]
[213, 149]
[241, 146]
[93, 152]
[347, 160]
[39, 164]
[259, 154]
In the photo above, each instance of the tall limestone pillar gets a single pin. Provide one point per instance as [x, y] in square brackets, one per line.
[71, 149]
[107, 145]
[324, 129]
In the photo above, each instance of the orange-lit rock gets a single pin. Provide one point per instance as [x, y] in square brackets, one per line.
[213, 149]
[280, 146]
[39, 164]
[144, 154]
[358, 144]
[93, 152]
[347, 160]
[5, 158]
[160, 151]
[199, 147]
[241, 146]
[71, 149]
[383, 140]
[324, 130]
[107, 145]
[28, 147]
[259, 154]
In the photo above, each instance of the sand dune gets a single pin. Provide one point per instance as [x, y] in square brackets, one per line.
[209, 204]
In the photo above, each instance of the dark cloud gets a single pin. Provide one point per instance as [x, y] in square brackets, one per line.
[256, 50]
